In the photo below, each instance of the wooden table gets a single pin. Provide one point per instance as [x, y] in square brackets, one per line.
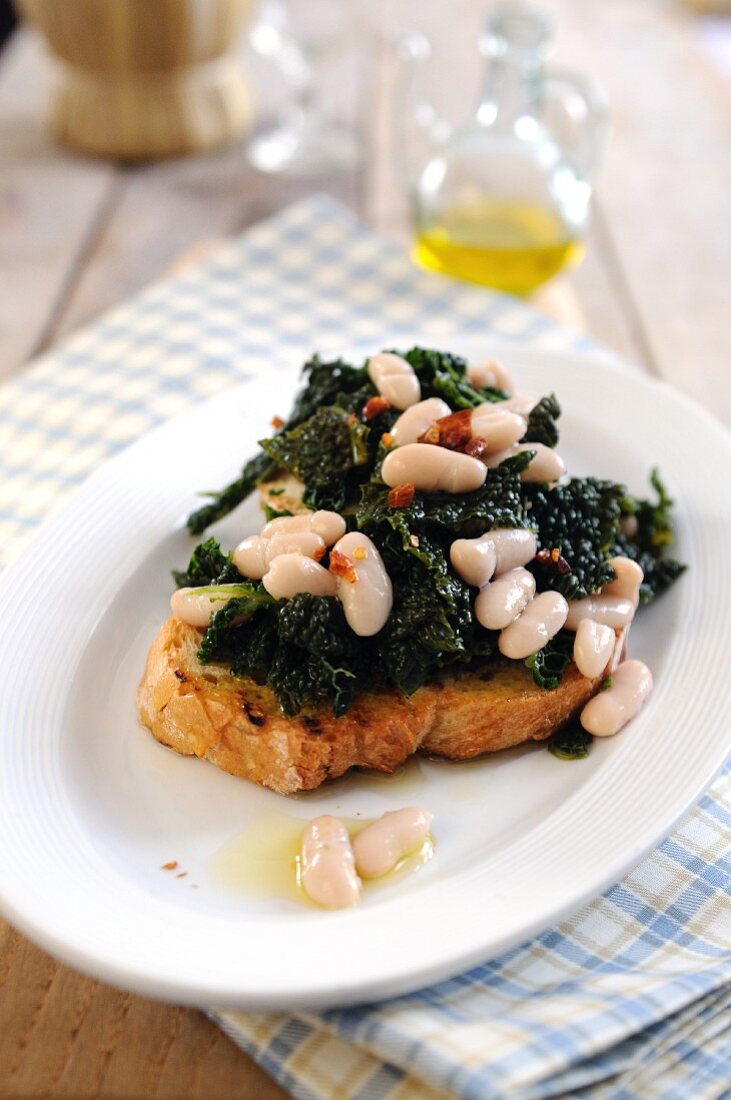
[76, 236]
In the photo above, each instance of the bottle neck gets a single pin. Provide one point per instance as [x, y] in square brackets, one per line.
[511, 90]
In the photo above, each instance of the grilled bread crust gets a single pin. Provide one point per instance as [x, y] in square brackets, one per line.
[236, 724]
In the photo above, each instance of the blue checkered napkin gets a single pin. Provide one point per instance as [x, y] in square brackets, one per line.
[629, 999]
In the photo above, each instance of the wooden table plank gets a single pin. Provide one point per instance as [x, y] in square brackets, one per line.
[664, 187]
[51, 203]
[65, 1036]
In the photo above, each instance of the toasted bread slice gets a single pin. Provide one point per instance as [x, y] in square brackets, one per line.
[236, 723]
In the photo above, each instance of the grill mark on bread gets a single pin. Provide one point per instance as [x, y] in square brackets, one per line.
[255, 714]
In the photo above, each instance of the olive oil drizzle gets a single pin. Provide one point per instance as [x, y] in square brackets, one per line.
[264, 859]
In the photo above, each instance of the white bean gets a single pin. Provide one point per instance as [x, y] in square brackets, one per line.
[254, 555]
[367, 600]
[498, 426]
[611, 611]
[545, 467]
[328, 864]
[627, 582]
[499, 603]
[380, 846]
[610, 710]
[593, 647]
[519, 404]
[490, 373]
[330, 526]
[394, 379]
[542, 619]
[250, 557]
[193, 607]
[290, 574]
[415, 421]
[433, 468]
[513, 546]
[474, 559]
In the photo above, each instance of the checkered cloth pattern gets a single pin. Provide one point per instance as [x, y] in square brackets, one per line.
[631, 998]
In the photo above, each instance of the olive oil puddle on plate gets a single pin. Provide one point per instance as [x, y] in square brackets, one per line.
[264, 859]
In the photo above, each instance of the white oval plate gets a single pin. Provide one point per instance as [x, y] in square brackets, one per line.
[91, 806]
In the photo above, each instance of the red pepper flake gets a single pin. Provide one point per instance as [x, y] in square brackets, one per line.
[352, 418]
[319, 553]
[360, 553]
[342, 567]
[455, 430]
[374, 407]
[553, 557]
[182, 874]
[277, 423]
[169, 866]
[387, 439]
[401, 496]
[431, 435]
[476, 447]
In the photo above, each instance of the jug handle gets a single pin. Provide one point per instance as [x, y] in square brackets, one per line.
[569, 88]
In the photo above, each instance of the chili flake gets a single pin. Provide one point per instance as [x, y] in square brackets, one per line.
[374, 406]
[360, 553]
[319, 553]
[169, 866]
[341, 566]
[431, 435]
[387, 439]
[476, 447]
[277, 423]
[401, 496]
[455, 430]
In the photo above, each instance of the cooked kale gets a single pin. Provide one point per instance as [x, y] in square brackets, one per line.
[327, 383]
[653, 536]
[570, 743]
[208, 565]
[335, 443]
[549, 664]
[255, 471]
[443, 375]
[232, 636]
[542, 422]
[339, 384]
[581, 520]
[317, 656]
[324, 452]
[496, 504]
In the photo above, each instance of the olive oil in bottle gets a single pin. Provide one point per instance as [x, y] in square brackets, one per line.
[512, 245]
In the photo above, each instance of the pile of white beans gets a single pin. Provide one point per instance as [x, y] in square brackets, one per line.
[506, 601]
[283, 558]
[332, 866]
[285, 555]
[430, 468]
